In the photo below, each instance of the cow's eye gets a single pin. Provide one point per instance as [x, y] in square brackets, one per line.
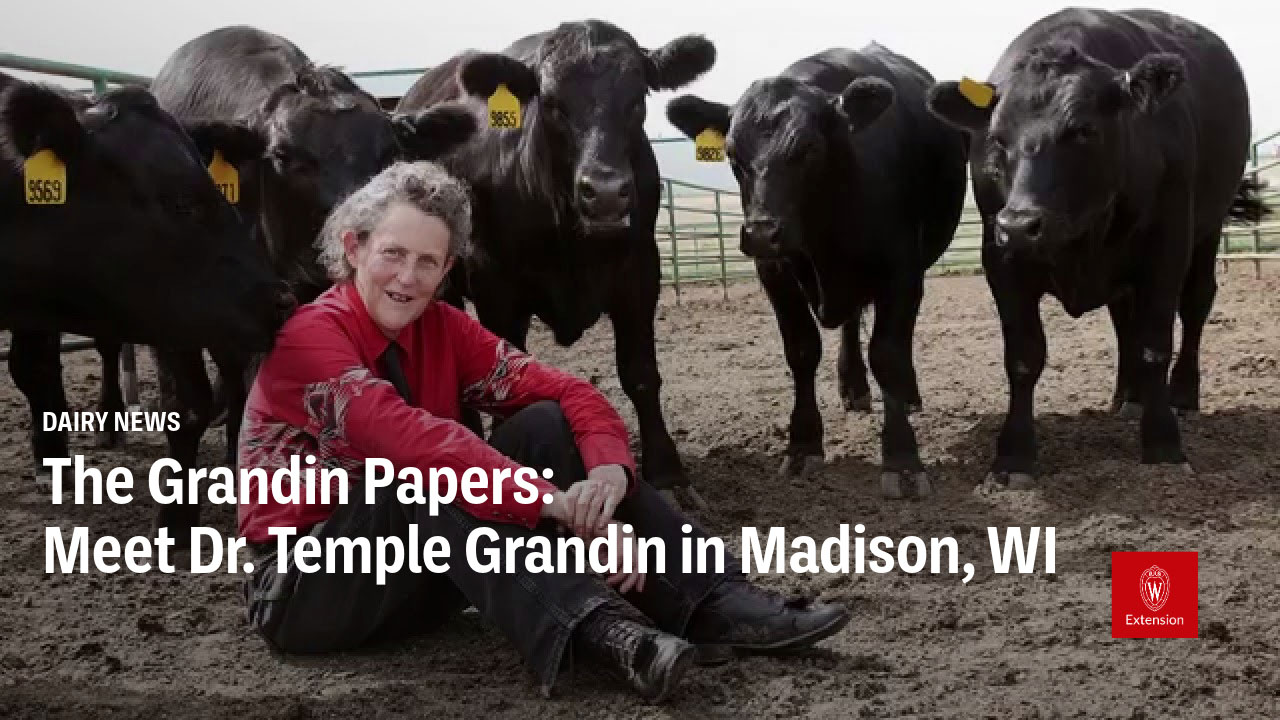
[1079, 133]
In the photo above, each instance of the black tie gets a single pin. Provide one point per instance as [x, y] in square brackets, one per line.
[394, 372]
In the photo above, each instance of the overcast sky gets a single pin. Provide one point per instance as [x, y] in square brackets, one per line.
[950, 38]
[754, 39]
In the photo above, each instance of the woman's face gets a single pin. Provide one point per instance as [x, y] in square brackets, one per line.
[400, 266]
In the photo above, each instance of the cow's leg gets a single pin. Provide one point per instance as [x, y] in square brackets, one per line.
[1197, 300]
[850, 371]
[890, 355]
[1161, 439]
[802, 345]
[110, 397]
[184, 388]
[1126, 400]
[35, 362]
[1024, 358]
[632, 309]
[233, 374]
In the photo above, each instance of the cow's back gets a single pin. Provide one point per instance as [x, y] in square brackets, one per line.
[226, 73]
[1214, 101]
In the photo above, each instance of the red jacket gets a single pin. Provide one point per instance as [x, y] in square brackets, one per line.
[319, 392]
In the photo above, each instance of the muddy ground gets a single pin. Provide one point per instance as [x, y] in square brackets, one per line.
[177, 646]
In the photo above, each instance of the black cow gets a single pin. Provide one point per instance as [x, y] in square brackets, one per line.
[144, 248]
[1107, 152]
[302, 137]
[566, 206]
[850, 191]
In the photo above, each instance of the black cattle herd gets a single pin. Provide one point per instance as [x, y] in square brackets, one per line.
[1106, 152]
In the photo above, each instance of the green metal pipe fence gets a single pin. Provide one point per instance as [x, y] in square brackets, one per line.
[698, 228]
[698, 225]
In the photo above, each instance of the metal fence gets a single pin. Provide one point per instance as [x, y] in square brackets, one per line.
[698, 226]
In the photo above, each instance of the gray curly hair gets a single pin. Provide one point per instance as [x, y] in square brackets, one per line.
[423, 185]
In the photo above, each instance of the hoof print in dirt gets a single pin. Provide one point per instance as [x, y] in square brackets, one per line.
[801, 466]
[899, 485]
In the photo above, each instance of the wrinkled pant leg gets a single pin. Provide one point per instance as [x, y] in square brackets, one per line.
[539, 436]
[320, 612]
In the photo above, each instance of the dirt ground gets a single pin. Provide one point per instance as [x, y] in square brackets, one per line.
[1021, 646]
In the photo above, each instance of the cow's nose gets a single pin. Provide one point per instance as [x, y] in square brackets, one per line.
[605, 195]
[1021, 225]
[763, 236]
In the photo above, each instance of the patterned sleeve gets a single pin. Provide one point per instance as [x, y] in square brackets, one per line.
[350, 412]
[499, 379]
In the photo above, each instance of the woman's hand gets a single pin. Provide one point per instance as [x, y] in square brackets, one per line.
[624, 582]
[559, 510]
[593, 501]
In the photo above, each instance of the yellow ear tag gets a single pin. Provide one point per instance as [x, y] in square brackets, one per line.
[45, 178]
[504, 109]
[226, 177]
[709, 146]
[980, 94]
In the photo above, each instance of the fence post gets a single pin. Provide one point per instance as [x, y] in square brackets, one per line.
[724, 272]
[675, 250]
[1257, 240]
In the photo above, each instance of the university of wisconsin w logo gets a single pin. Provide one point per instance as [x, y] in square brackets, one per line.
[1154, 588]
[1143, 601]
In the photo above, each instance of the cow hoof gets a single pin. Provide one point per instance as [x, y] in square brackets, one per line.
[44, 481]
[998, 481]
[1187, 469]
[800, 466]
[1130, 410]
[861, 404]
[898, 485]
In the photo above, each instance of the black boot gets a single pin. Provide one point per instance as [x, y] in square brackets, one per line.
[742, 618]
[648, 660]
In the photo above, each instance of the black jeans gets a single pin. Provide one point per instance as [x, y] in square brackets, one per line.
[318, 612]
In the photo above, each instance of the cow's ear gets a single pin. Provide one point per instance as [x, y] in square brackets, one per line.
[35, 117]
[680, 62]
[238, 143]
[432, 133]
[1153, 79]
[964, 105]
[691, 115]
[481, 73]
[864, 100]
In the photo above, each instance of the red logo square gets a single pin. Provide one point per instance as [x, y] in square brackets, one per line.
[1155, 594]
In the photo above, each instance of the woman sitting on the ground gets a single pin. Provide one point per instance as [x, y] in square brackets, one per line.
[377, 368]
